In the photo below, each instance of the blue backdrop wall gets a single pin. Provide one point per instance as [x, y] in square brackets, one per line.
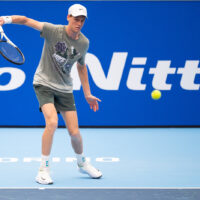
[135, 47]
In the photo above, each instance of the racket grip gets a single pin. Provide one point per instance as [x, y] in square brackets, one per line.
[1, 29]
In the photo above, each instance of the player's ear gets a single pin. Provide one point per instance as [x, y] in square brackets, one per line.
[68, 16]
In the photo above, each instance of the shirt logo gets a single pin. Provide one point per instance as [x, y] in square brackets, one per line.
[65, 56]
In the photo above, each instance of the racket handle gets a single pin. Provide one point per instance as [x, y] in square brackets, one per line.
[1, 29]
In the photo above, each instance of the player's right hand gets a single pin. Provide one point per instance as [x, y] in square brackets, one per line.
[1, 21]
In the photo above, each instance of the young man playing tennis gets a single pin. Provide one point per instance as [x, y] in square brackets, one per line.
[63, 46]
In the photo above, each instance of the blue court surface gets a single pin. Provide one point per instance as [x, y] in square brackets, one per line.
[137, 163]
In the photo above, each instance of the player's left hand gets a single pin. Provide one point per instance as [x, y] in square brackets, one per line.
[93, 102]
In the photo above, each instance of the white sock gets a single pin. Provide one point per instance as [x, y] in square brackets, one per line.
[45, 161]
[80, 159]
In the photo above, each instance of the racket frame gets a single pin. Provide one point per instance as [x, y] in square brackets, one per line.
[3, 35]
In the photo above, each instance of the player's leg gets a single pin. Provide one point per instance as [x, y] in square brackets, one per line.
[45, 98]
[71, 120]
[51, 120]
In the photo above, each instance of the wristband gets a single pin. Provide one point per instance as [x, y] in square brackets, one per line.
[7, 19]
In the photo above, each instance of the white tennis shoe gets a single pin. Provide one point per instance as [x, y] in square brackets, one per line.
[43, 176]
[87, 168]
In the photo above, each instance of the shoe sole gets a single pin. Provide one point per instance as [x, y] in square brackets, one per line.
[96, 177]
[83, 172]
[42, 182]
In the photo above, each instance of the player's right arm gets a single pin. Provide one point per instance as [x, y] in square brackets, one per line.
[23, 20]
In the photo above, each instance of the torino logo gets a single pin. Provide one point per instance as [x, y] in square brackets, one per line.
[113, 79]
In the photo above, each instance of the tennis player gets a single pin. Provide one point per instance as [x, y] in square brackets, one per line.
[63, 46]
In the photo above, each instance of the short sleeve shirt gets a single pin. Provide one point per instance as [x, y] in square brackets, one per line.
[59, 54]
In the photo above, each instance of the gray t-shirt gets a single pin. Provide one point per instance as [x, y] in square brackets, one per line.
[59, 53]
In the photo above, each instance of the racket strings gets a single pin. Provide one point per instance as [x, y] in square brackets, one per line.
[9, 50]
[11, 53]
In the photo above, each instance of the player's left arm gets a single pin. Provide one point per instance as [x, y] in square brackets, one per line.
[92, 100]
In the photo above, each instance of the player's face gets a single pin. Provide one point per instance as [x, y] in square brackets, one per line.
[76, 23]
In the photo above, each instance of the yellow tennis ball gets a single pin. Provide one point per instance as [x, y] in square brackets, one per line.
[156, 94]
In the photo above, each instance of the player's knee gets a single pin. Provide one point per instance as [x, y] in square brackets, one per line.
[73, 131]
[52, 124]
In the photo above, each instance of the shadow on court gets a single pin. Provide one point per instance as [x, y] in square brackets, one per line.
[100, 194]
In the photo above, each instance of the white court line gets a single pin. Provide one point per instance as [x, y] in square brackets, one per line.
[118, 188]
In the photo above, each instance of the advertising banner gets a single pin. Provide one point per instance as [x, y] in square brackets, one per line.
[135, 48]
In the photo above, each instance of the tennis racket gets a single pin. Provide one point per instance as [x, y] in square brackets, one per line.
[9, 50]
